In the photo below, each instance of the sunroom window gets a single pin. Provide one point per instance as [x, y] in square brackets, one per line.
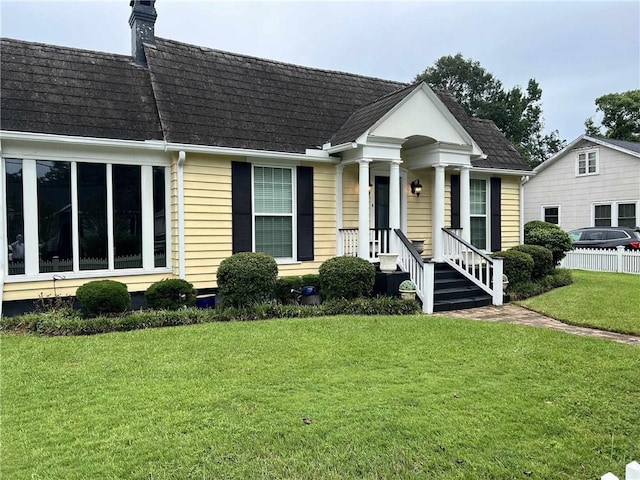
[273, 207]
[85, 216]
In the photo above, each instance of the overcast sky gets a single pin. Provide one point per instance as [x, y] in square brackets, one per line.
[577, 51]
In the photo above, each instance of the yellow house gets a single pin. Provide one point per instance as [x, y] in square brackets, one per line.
[165, 163]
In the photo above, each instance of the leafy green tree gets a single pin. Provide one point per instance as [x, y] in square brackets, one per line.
[621, 116]
[517, 112]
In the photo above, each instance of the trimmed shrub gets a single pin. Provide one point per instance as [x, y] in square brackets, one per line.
[346, 277]
[247, 278]
[101, 297]
[550, 236]
[560, 278]
[542, 260]
[170, 294]
[517, 266]
[311, 280]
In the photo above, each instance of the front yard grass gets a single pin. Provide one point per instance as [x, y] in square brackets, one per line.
[608, 301]
[384, 397]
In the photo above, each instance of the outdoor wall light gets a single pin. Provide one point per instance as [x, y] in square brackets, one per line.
[370, 186]
[416, 187]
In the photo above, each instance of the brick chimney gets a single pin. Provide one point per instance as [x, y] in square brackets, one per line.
[142, 21]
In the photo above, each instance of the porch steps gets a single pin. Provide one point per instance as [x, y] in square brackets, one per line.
[452, 291]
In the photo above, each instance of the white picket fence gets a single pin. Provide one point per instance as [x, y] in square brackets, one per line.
[599, 260]
[632, 472]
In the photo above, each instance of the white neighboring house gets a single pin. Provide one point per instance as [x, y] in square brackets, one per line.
[592, 182]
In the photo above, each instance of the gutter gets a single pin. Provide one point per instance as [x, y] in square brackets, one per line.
[162, 145]
[340, 148]
[524, 180]
[182, 156]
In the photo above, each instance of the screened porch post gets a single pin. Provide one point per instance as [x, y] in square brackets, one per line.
[438, 212]
[339, 221]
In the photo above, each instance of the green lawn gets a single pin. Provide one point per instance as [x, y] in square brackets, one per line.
[609, 301]
[387, 397]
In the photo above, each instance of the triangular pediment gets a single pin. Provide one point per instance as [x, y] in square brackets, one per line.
[421, 113]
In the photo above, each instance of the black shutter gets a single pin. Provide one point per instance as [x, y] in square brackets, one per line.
[455, 201]
[305, 212]
[241, 221]
[496, 215]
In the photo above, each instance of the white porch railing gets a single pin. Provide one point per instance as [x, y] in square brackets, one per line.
[421, 273]
[484, 271]
[632, 472]
[348, 242]
[599, 260]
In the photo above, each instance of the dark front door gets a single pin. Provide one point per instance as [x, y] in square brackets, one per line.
[382, 203]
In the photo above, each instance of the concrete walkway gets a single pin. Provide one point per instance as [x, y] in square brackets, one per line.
[510, 313]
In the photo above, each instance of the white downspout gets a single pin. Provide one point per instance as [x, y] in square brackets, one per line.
[522, 182]
[181, 243]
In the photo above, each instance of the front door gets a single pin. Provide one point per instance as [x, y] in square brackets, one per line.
[381, 195]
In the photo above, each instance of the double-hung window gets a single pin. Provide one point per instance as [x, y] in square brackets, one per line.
[587, 163]
[478, 210]
[551, 215]
[273, 211]
[602, 215]
[627, 215]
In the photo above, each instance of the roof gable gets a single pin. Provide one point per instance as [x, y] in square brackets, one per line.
[421, 113]
[630, 148]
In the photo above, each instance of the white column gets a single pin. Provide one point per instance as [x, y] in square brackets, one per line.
[30, 206]
[465, 203]
[438, 212]
[394, 203]
[339, 220]
[363, 209]
[148, 233]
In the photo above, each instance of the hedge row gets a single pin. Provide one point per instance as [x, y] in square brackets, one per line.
[70, 322]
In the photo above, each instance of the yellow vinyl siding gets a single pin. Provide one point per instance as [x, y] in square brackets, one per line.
[66, 287]
[510, 201]
[419, 223]
[350, 191]
[207, 216]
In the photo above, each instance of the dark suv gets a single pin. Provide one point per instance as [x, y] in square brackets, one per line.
[606, 237]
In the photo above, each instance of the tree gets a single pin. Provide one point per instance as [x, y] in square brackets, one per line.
[516, 112]
[621, 116]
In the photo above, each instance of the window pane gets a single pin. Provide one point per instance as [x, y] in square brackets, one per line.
[602, 216]
[479, 232]
[551, 215]
[127, 216]
[627, 215]
[159, 218]
[478, 197]
[274, 236]
[15, 217]
[273, 192]
[54, 216]
[92, 216]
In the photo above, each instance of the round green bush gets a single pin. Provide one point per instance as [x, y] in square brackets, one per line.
[170, 294]
[548, 235]
[346, 277]
[517, 266]
[247, 278]
[100, 297]
[542, 260]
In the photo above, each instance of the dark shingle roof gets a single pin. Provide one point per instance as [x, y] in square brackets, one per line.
[58, 90]
[632, 146]
[210, 97]
[201, 96]
[363, 118]
[499, 151]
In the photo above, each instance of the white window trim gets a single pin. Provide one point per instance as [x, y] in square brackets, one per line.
[294, 212]
[586, 152]
[30, 192]
[542, 212]
[603, 204]
[487, 214]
